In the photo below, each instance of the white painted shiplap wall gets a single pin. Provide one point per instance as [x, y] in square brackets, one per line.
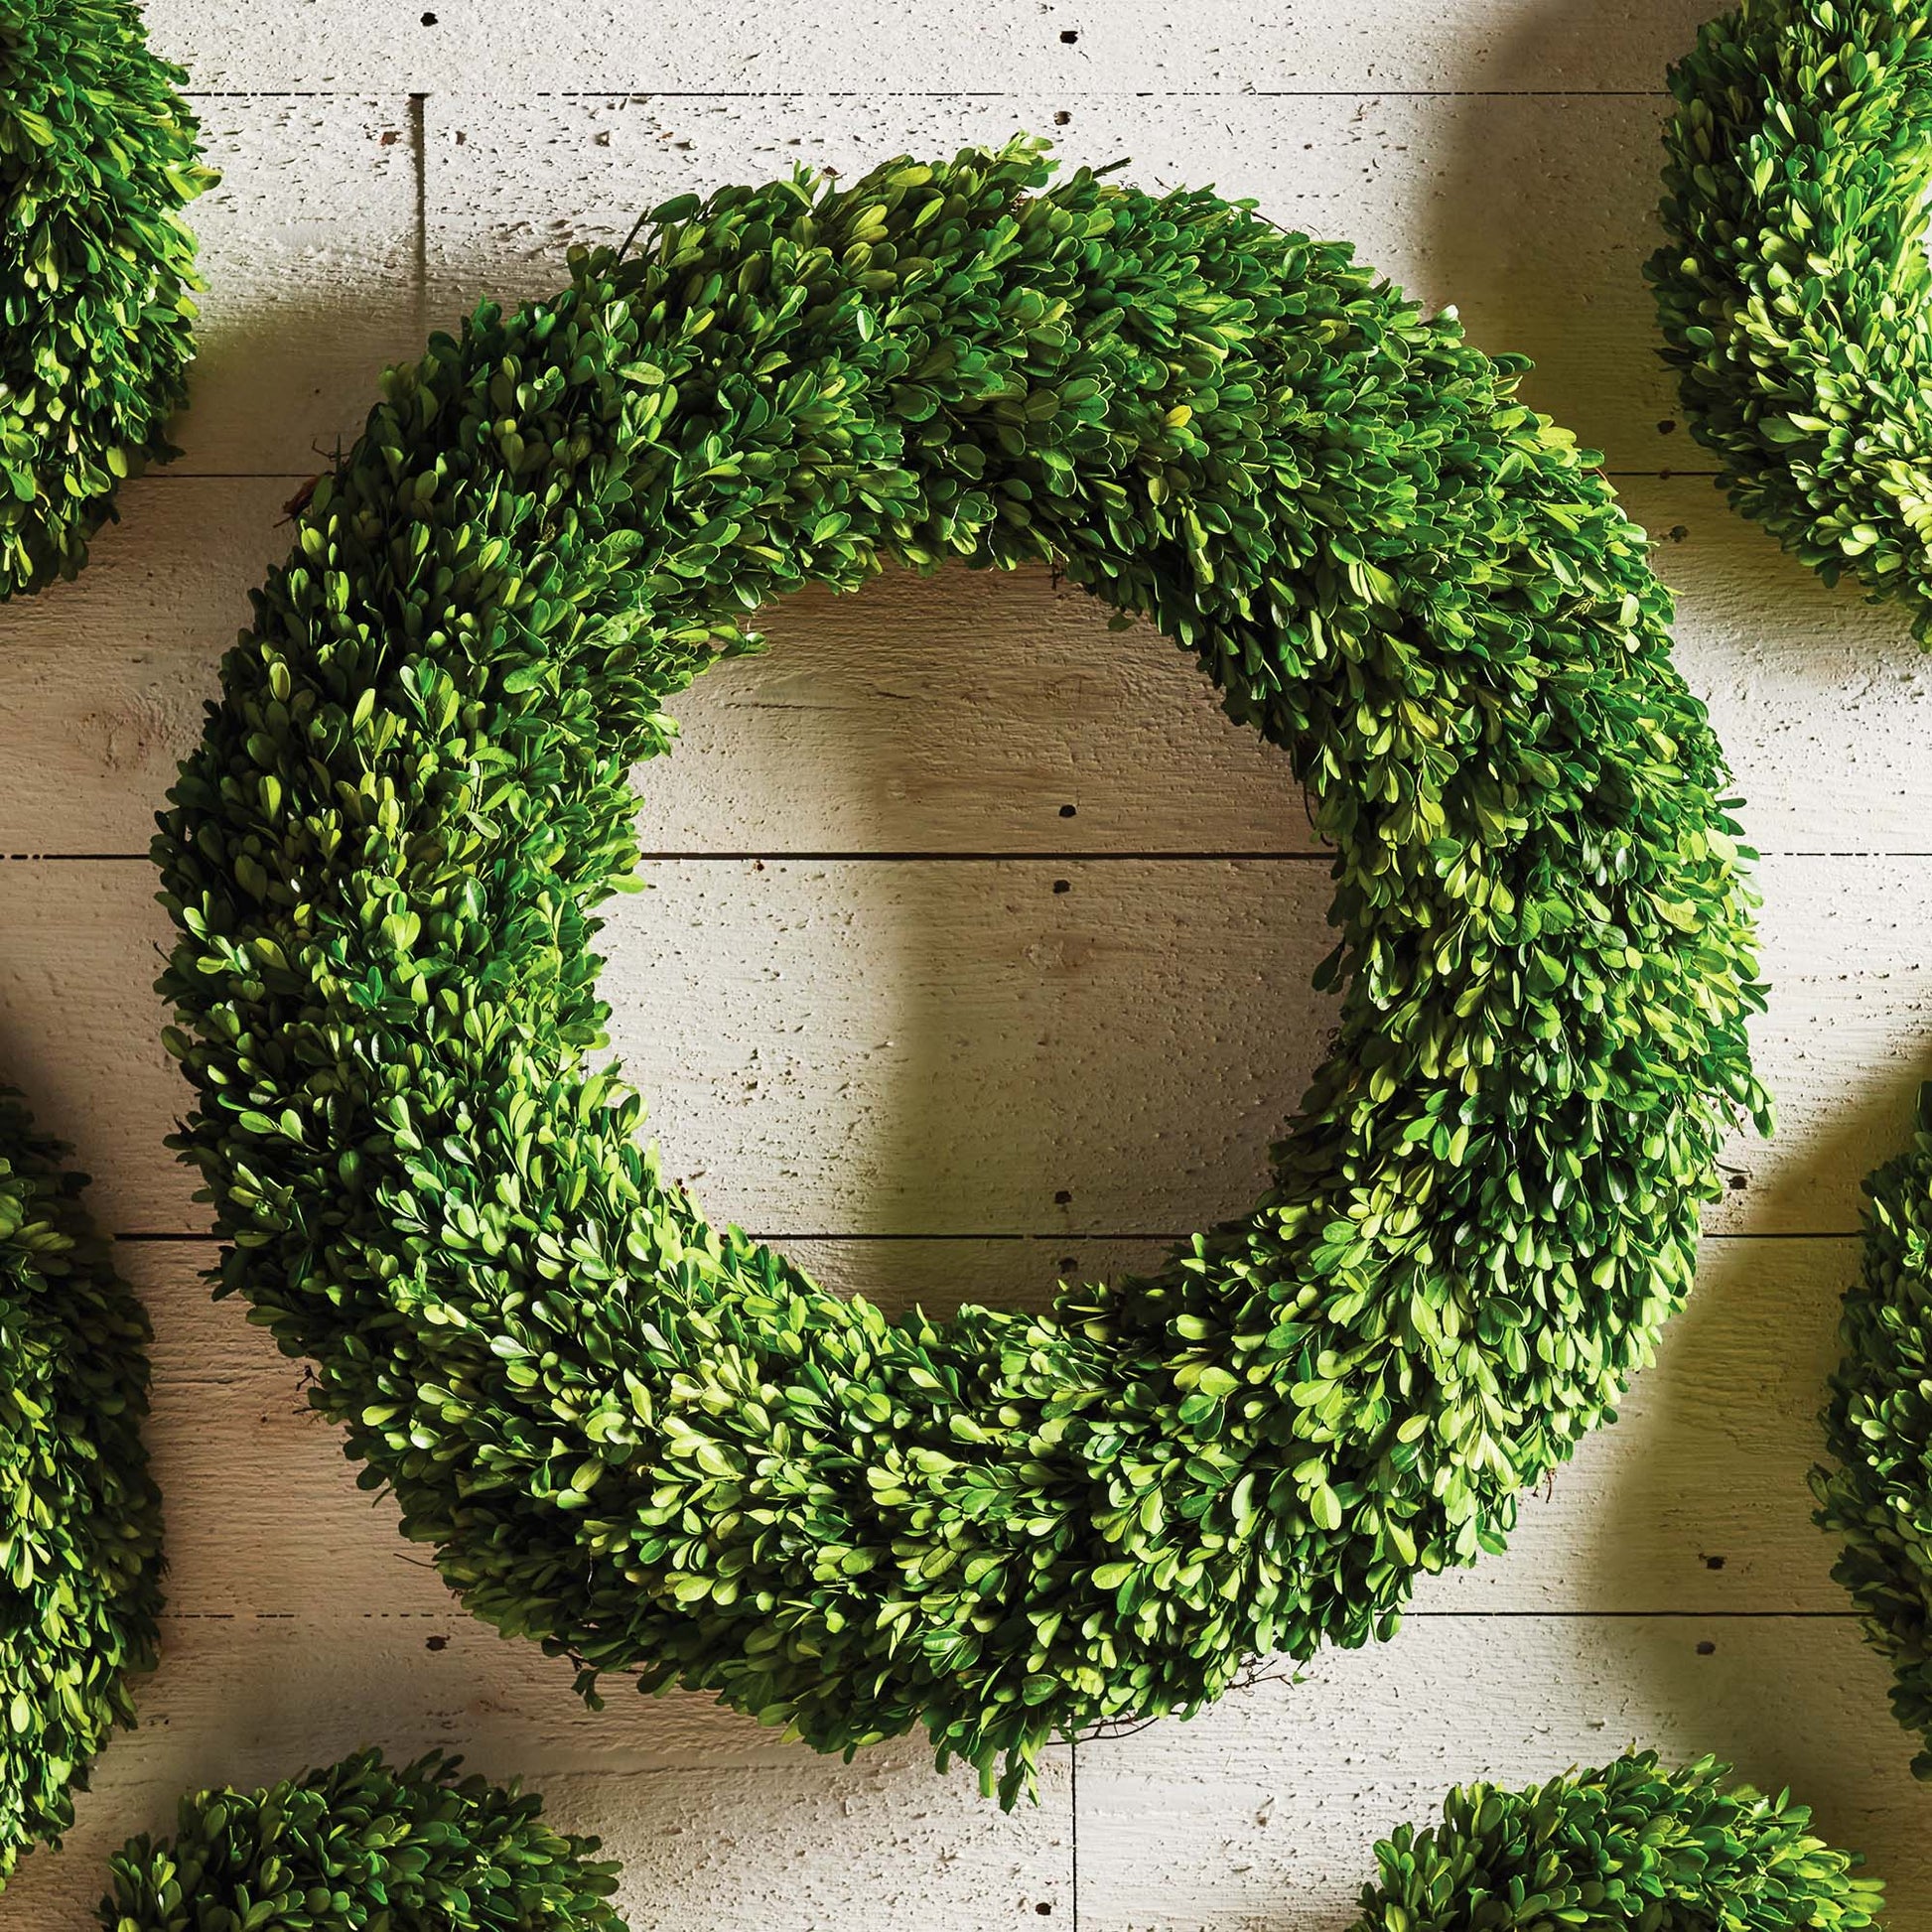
[979, 947]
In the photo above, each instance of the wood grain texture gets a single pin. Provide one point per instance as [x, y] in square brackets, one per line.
[1076, 47]
[868, 1023]
[309, 247]
[717, 1823]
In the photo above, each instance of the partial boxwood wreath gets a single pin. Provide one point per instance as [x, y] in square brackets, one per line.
[359, 1847]
[657, 1446]
[1878, 1427]
[80, 1515]
[1794, 291]
[1631, 1848]
[98, 155]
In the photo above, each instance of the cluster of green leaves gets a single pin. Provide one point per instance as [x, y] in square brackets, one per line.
[1879, 1427]
[79, 1516]
[1793, 289]
[363, 1847]
[97, 158]
[656, 1446]
[1631, 1848]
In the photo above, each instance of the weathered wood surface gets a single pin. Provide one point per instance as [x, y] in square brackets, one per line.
[872, 1025]
[1156, 48]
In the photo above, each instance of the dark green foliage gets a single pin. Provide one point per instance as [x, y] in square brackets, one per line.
[79, 1516]
[1631, 1848]
[1793, 288]
[1878, 1426]
[659, 1448]
[97, 158]
[362, 1847]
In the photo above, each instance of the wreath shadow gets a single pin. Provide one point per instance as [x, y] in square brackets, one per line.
[1082, 1034]
[1546, 222]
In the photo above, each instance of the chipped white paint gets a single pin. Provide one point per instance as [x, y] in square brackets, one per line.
[869, 1021]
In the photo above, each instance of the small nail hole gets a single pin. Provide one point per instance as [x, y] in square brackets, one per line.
[1062, 885]
[1068, 38]
[1066, 811]
[1706, 1648]
[1061, 117]
[1062, 1199]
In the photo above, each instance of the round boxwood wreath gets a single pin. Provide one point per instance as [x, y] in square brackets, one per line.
[1794, 290]
[1630, 1847]
[359, 1847]
[657, 1446]
[97, 158]
[80, 1515]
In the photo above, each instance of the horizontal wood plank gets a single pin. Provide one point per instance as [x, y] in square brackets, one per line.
[1028, 1046]
[1076, 47]
[344, 224]
[973, 712]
